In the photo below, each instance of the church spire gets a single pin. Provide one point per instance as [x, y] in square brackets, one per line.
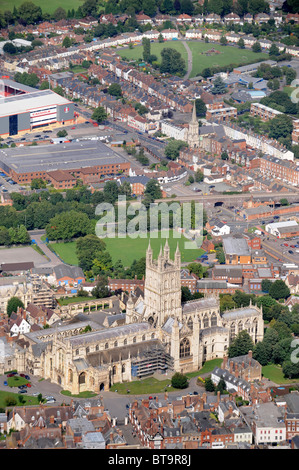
[166, 250]
[194, 118]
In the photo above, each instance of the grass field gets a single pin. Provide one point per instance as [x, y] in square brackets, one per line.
[156, 47]
[28, 400]
[146, 386]
[274, 373]
[228, 54]
[66, 251]
[127, 249]
[47, 7]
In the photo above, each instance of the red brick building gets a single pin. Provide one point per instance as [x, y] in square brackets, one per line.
[128, 285]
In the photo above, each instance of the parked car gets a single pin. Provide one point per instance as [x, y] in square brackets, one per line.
[291, 252]
[27, 377]
[51, 401]
[22, 391]
[28, 385]
[5, 383]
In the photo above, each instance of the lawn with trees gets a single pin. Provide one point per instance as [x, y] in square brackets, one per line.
[200, 59]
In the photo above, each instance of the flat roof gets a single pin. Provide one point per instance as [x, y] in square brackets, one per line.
[66, 156]
[235, 246]
[27, 102]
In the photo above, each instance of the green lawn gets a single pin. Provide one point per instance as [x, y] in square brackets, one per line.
[142, 387]
[75, 299]
[28, 400]
[210, 365]
[127, 249]
[274, 373]
[156, 47]
[45, 6]
[228, 54]
[66, 251]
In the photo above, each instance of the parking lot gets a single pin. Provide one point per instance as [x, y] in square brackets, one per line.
[38, 385]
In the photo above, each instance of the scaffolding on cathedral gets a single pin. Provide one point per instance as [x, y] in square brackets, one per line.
[152, 360]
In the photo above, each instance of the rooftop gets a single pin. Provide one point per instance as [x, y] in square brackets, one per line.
[30, 101]
[67, 156]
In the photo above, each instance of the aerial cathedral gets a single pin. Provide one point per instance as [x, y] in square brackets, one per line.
[158, 332]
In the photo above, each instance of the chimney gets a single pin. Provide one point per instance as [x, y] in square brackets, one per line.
[224, 364]
[218, 397]
[52, 419]
[204, 397]
[231, 365]
[166, 396]
[250, 356]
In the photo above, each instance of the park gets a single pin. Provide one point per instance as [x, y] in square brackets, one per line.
[127, 249]
[202, 58]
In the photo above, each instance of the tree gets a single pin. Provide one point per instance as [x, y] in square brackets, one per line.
[256, 47]
[209, 385]
[224, 155]
[241, 43]
[290, 75]
[59, 14]
[68, 225]
[62, 133]
[29, 13]
[99, 115]
[87, 249]
[266, 284]
[110, 192]
[13, 304]
[223, 41]
[179, 380]
[280, 126]
[199, 176]
[172, 149]
[38, 183]
[279, 290]
[160, 38]
[172, 62]
[67, 42]
[274, 51]
[9, 48]
[101, 290]
[146, 49]
[200, 107]
[153, 189]
[241, 345]
[219, 86]
[115, 90]
[90, 8]
[221, 386]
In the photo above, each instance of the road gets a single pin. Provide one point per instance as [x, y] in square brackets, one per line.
[233, 198]
[189, 60]
[114, 402]
[52, 259]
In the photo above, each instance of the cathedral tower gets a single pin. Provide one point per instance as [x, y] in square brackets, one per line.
[162, 290]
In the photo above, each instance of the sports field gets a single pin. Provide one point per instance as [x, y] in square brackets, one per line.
[201, 58]
[127, 249]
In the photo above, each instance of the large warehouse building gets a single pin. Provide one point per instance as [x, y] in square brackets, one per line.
[23, 164]
[23, 109]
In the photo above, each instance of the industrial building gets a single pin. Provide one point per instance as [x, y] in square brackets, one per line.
[23, 109]
[23, 164]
